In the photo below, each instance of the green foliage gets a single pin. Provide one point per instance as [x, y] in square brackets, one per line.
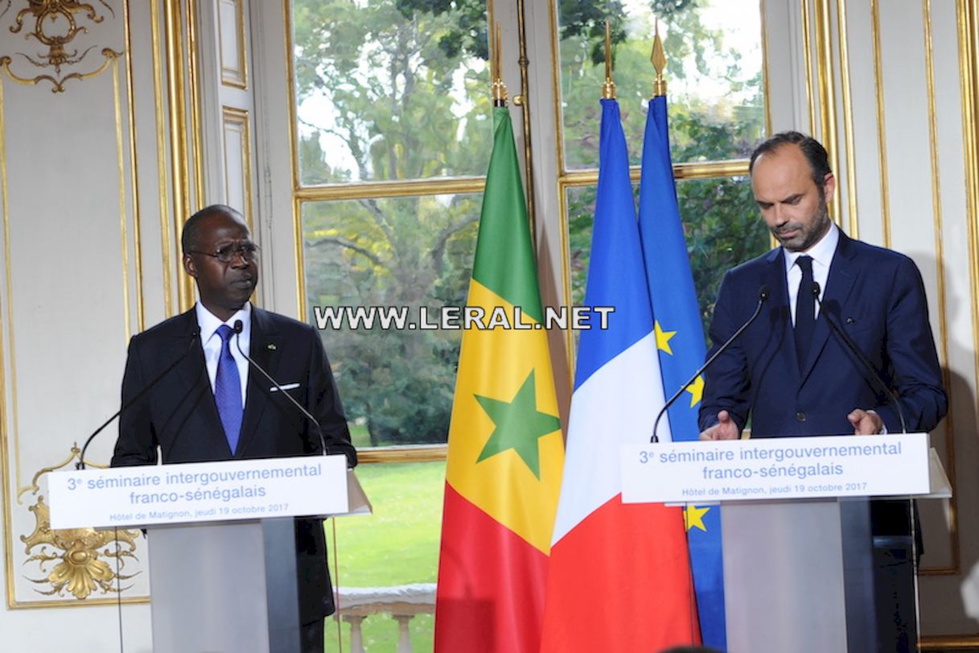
[584, 23]
[387, 81]
[669, 8]
[389, 89]
[398, 91]
[468, 35]
[406, 252]
[720, 218]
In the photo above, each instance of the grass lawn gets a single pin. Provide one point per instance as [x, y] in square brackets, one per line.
[396, 545]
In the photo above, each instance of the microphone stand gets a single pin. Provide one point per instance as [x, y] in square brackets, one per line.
[852, 347]
[316, 425]
[763, 294]
[81, 458]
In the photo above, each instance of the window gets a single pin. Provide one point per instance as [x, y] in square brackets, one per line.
[393, 130]
[717, 114]
[393, 123]
[390, 99]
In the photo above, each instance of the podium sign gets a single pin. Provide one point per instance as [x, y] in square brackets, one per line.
[803, 570]
[198, 492]
[223, 561]
[776, 468]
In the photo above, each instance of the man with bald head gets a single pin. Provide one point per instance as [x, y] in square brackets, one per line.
[213, 407]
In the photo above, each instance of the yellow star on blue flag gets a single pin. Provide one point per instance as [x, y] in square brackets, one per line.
[693, 517]
[681, 350]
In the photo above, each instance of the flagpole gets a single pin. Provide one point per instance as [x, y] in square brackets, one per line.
[676, 312]
[658, 59]
[608, 88]
[523, 101]
[498, 87]
[643, 589]
[501, 484]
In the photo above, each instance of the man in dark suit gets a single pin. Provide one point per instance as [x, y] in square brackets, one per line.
[788, 372]
[212, 407]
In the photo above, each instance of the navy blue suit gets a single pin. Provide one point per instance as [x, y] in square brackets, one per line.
[877, 297]
[179, 415]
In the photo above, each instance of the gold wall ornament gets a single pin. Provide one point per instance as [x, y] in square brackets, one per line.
[55, 27]
[73, 562]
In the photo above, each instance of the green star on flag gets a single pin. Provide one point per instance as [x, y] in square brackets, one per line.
[518, 425]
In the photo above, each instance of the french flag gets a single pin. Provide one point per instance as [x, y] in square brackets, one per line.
[619, 576]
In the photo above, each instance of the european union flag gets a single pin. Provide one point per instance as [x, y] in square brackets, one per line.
[681, 345]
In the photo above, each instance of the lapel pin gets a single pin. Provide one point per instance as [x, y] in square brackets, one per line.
[270, 346]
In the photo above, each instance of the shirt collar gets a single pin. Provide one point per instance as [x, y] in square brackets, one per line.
[821, 253]
[209, 323]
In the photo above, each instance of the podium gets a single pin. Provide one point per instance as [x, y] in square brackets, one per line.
[222, 559]
[801, 562]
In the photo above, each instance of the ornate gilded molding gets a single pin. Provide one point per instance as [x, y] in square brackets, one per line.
[56, 25]
[74, 562]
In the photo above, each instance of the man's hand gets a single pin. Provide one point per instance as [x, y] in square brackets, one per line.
[725, 429]
[865, 422]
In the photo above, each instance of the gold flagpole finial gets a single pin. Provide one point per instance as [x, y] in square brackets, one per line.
[608, 88]
[658, 59]
[496, 70]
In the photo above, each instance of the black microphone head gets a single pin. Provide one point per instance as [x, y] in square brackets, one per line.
[815, 289]
[764, 292]
[239, 326]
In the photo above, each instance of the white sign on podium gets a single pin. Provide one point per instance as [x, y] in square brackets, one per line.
[199, 492]
[700, 472]
[218, 529]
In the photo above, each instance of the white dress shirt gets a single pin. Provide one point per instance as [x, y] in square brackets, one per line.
[822, 256]
[211, 342]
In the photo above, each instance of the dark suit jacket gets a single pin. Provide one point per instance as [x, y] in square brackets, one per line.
[877, 297]
[180, 417]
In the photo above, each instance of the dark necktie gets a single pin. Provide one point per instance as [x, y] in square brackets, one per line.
[805, 310]
[227, 389]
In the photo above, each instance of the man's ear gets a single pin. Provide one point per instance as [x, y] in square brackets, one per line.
[829, 186]
[190, 267]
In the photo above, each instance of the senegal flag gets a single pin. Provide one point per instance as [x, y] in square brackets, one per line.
[506, 451]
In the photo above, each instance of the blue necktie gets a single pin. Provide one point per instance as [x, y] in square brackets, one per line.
[805, 311]
[227, 389]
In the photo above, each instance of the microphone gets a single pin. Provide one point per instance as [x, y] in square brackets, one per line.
[763, 294]
[239, 327]
[853, 349]
[139, 395]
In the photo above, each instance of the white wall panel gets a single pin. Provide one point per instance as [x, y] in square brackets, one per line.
[911, 190]
[87, 258]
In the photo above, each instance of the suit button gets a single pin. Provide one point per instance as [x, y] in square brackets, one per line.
[800, 417]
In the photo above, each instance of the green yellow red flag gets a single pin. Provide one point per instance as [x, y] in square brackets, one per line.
[506, 452]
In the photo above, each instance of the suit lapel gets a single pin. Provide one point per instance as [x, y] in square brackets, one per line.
[839, 284]
[265, 349]
[191, 373]
[778, 309]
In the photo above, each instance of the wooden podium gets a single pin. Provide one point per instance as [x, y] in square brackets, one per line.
[222, 555]
[799, 554]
